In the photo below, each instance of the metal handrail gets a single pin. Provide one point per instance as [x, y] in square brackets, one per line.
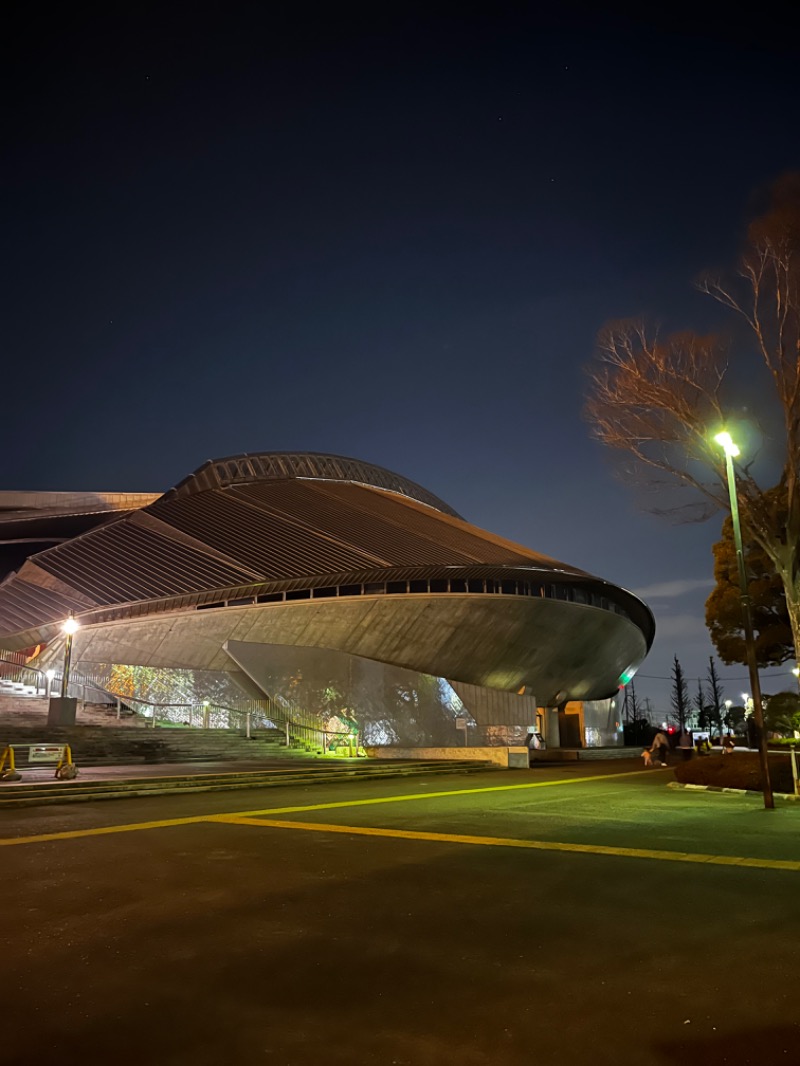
[15, 672]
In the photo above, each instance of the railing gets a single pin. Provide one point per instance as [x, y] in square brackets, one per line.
[16, 673]
[299, 726]
[245, 715]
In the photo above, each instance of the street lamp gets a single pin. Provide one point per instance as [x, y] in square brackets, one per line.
[731, 451]
[796, 672]
[69, 629]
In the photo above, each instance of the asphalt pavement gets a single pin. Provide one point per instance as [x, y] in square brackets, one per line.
[568, 915]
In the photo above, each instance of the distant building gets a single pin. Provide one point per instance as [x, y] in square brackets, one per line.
[329, 582]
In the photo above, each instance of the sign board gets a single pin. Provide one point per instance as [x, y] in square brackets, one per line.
[461, 723]
[45, 752]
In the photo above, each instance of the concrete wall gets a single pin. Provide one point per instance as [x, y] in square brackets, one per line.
[556, 649]
[510, 758]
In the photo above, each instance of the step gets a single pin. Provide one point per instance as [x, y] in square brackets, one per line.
[77, 792]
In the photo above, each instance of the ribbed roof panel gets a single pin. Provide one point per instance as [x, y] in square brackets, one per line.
[351, 517]
[276, 545]
[123, 562]
[24, 606]
[454, 539]
[216, 538]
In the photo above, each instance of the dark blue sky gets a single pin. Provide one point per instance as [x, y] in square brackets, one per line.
[381, 234]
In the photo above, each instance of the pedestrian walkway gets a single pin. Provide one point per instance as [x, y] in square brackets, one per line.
[37, 787]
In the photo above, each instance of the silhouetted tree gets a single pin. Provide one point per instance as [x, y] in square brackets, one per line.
[773, 632]
[715, 695]
[782, 713]
[680, 694]
[702, 707]
[659, 399]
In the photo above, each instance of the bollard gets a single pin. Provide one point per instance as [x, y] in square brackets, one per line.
[794, 770]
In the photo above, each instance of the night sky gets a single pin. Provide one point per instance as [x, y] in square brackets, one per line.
[382, 234]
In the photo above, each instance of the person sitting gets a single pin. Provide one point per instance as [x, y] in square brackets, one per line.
[727, 744]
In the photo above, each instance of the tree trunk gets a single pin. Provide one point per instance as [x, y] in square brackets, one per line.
[792, 590]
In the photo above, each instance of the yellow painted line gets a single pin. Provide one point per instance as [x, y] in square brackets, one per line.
[440, 795]
[512, 842]
[74, 834]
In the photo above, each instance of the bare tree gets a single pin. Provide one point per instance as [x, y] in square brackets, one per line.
[660, 400]
[701, 707]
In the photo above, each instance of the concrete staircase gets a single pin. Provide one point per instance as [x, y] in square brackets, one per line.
[99, 738]
[31, 711]
[303, 773]
[109, 746]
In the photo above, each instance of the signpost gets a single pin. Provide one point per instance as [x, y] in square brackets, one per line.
[461, 723]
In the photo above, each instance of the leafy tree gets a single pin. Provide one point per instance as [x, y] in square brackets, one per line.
[659, 399]
[782, 713]
[735, 718]
[771, 626]
[680, 694]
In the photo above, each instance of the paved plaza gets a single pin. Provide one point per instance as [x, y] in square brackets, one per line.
[557, 916]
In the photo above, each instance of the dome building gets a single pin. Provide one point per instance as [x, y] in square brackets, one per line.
[278, 571]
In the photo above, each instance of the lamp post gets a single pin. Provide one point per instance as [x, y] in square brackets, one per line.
[70, 628]
[730, 449]
[727, 722]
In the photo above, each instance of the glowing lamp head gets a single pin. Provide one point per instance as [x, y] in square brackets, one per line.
[71, 626]
[725, 441]
[796, 671]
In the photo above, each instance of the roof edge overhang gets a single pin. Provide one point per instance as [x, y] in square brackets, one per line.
[545, 579]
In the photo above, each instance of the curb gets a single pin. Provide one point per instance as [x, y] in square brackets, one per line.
[76, 795]
[731, 791]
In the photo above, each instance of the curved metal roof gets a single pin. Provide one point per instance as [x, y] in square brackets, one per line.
[253, 525]
[269, 466]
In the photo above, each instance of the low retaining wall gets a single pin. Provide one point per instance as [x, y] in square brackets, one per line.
[511, 758]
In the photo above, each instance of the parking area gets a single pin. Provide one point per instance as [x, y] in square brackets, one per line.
[553, 916]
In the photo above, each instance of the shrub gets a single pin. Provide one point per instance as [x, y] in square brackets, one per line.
[740, 770]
